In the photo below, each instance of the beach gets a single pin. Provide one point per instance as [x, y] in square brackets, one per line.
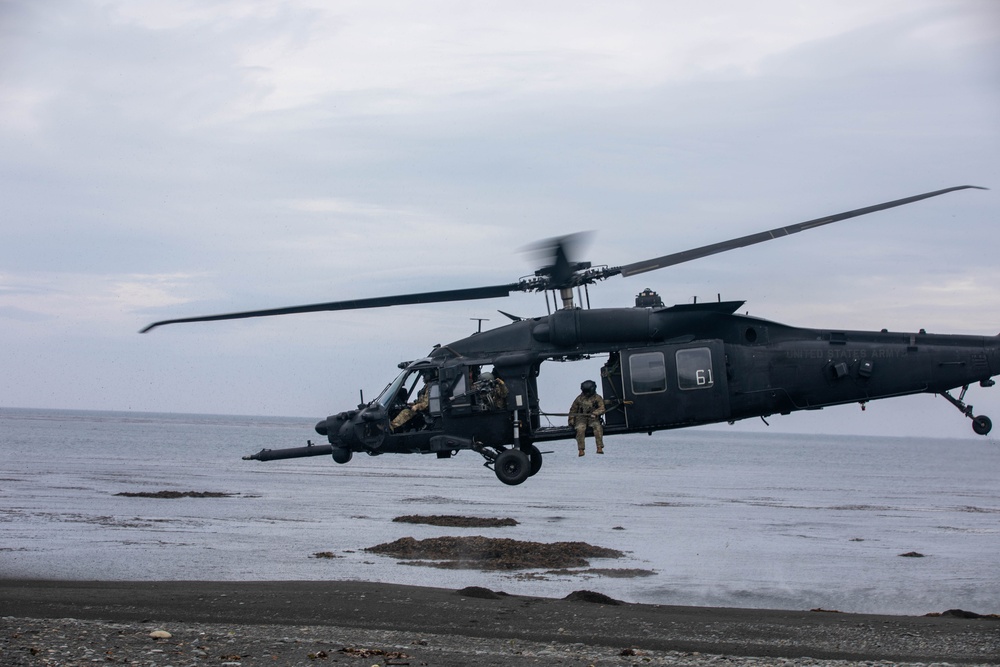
[362, 623]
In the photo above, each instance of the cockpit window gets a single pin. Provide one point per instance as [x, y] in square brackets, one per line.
[386, 398]
[404, 388]
[434, 399]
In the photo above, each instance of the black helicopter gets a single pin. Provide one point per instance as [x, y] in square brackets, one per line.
[667, 367]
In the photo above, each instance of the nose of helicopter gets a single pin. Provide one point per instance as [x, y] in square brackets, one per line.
[333, 427]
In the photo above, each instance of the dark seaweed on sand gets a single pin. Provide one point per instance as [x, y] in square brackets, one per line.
[487, 553]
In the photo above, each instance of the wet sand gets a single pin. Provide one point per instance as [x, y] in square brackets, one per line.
[361, 623]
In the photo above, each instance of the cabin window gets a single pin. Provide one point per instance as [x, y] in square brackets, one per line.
[694, 368]
[648, 372]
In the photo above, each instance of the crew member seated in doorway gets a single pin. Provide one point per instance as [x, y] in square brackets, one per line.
[586, 411]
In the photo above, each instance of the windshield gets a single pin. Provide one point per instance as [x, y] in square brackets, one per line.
[399, 389]
[385, 398]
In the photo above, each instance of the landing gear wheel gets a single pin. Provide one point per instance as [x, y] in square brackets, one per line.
[981, 424]
[342, 454]
[535, 457]
[512, 466]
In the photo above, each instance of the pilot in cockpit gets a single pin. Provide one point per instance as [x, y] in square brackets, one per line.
[413, 409]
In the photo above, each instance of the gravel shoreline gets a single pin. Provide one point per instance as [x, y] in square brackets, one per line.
[360, 623]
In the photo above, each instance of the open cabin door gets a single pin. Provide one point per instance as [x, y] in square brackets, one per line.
[668, 385]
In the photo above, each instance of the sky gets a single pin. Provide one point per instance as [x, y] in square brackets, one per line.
[175, 158]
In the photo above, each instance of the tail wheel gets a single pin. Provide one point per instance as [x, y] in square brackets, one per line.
[512, 466]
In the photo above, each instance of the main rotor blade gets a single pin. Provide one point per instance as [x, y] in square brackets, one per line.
[715, 248]
[470, 294]
[558, 257]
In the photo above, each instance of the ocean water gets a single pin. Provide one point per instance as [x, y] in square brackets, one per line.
[711, 517]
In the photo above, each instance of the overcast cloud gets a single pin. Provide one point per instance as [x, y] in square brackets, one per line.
[168, 158]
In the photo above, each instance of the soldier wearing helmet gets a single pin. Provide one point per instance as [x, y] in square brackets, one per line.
[586, 412]
[493, 390]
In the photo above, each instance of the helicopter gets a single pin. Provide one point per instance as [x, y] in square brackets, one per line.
[667, 367]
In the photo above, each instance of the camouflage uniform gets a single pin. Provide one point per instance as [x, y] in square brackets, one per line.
[499, 394]
[586, 411]
[492, 391]
[408, 413]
